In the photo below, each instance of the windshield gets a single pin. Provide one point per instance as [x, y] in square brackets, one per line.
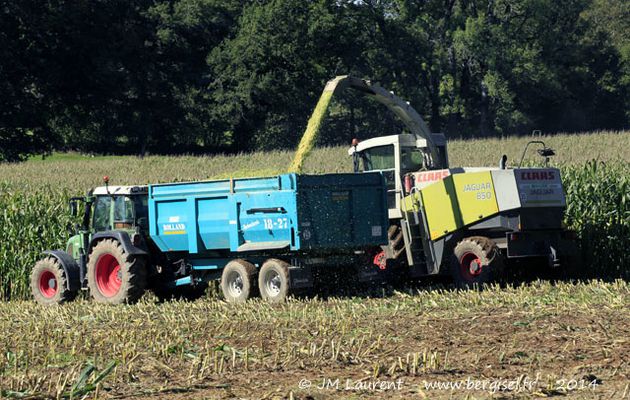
[379, 158]
[412, 159]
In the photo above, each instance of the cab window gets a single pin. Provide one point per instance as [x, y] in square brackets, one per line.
[123, 209]
[102, 212]
[379, 158]
[411, 159]
[123, 212]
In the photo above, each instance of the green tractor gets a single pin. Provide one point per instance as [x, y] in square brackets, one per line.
[107, 253]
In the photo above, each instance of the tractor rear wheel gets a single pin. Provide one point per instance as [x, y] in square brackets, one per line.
[49, 283]
[274, 281]
[476, 260]
[238, 281]
[115, 276]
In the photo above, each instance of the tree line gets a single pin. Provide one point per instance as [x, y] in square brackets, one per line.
[190, 76]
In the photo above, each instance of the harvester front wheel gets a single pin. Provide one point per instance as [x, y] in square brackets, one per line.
[115, 276]
[274, 281]
[476, 260]
[49, 283]
[238, 281]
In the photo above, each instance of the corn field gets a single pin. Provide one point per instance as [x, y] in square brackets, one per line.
[34, 213]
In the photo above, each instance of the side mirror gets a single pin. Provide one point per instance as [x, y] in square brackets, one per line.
[73, 208]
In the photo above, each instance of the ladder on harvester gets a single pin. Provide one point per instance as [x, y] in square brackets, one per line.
[418, 246]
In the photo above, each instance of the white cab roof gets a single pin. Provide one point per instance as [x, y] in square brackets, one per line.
[120, 190]
[405, 140]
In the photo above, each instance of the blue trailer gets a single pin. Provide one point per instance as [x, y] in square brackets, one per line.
[269, 236]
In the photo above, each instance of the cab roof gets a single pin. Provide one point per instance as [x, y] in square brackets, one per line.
[120, 190]
[405, 140]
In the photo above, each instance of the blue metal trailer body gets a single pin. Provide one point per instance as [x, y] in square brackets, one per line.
[286, 213]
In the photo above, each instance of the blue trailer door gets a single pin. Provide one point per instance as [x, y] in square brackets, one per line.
[266, 220]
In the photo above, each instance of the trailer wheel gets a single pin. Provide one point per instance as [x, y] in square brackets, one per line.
[238, 281]
[274, 281]
[48, 283]
[113, 275]
[476, 260]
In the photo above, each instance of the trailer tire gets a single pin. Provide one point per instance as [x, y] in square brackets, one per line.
[274, 281]
[113, 275]
[476, 260]
[238, 281]
[49, 283]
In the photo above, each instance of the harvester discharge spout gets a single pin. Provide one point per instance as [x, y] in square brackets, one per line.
[412, 120]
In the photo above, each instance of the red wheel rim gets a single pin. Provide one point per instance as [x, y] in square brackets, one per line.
[108, 275]
[380, 260]
[48, 284]
[470, 265]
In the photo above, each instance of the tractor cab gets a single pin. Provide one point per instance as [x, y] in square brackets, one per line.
[107, 209]
[120, 208]
[396, 156]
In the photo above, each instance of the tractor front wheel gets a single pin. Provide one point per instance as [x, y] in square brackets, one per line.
[476, 260]
[113, 275]
[49, 283]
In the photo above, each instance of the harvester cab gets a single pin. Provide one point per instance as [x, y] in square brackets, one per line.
[397, 156]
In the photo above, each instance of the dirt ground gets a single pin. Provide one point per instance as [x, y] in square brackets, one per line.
[570, 355]
[567, 341]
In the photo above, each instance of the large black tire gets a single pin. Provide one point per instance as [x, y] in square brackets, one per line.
[182, 293]
[476, 260]
[113, 275]
[238, 281]
[49, 283]
[274, 281]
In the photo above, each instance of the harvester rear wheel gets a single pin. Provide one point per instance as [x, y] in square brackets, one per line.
[476, 260]
[48, 283]
[113, 275]
[274, 281]
[238, 281]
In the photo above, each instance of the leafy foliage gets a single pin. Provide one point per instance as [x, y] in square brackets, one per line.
[184, 76]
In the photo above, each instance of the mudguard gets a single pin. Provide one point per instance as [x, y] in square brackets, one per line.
[122, 237]
[70, 267]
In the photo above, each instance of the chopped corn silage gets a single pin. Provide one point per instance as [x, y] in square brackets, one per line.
[312, 130]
